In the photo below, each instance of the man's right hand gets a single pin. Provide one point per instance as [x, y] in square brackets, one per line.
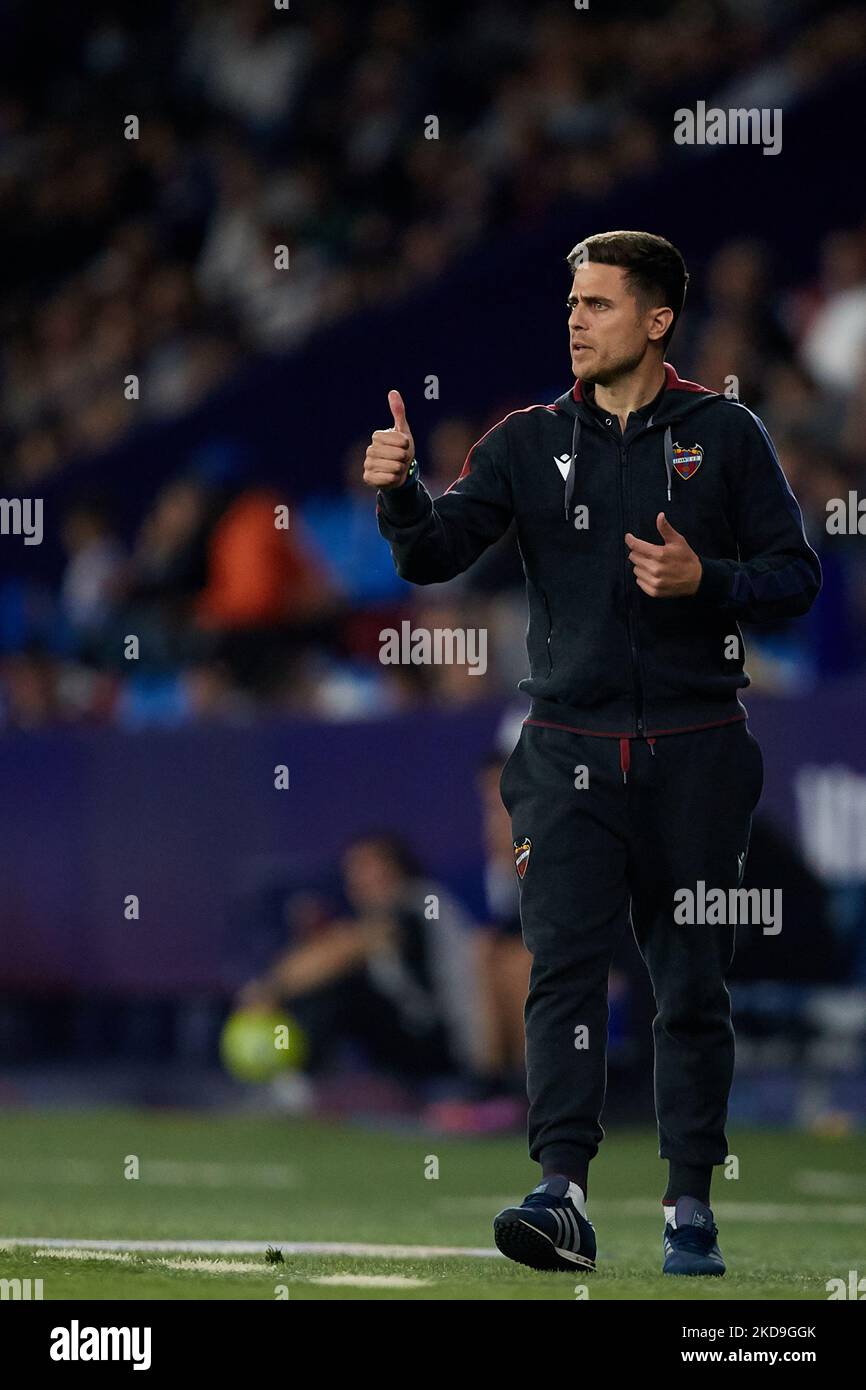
[390, 451]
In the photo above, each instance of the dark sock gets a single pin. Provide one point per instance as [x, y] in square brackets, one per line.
[689, 1180]
[568, 1163]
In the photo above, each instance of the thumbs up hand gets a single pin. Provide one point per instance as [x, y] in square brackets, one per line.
[390, 451]
[398, 411]
[669, 570]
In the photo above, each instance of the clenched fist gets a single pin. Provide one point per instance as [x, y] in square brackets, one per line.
[390, 452]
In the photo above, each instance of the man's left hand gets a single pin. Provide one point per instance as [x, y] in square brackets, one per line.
[669, 570]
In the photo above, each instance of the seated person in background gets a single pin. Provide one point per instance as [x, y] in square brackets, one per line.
[395, 975]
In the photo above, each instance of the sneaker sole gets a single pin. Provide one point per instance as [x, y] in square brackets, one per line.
[525, 1245]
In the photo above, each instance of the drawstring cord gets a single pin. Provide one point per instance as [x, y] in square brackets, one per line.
[669, 453]
[669, 458]
[625, 755]
[569, 482]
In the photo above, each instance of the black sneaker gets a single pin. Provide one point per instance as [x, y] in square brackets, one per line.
[690, 1245]
[547, 1231]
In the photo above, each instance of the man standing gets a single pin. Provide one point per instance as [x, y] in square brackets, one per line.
[652, 515]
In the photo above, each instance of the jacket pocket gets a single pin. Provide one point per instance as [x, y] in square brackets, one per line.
[508, 766]
[549, 632]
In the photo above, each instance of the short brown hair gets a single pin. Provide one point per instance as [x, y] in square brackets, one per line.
[656, 272]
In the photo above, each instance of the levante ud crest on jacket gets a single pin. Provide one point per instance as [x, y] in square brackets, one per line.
[687, 461]
[522, 850]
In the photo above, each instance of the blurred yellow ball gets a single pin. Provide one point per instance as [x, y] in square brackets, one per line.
[257, 1044]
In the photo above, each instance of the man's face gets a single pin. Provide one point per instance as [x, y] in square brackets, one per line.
[609, 331]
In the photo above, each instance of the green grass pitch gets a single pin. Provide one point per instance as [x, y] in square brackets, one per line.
[795, 1217]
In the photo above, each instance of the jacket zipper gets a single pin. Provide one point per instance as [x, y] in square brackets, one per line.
[631, 617]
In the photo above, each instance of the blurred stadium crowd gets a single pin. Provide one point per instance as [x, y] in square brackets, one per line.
[154, 256]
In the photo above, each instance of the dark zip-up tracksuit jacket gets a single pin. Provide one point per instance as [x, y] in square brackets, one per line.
[604, 657]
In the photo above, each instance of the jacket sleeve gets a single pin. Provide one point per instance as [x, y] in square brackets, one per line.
[777, 574]
[432, 541]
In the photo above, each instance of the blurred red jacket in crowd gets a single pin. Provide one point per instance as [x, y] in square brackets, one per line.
[258, 575]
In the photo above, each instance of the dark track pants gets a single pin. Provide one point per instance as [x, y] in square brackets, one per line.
[620, 847]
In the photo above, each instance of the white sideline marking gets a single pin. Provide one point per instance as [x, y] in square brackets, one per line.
[764, 1212]
[725, 1210]
[213, 1266]
[819, 1182]
[160, 1172]
[252, 1247]
[76, 1253]
[217, 1266]
[792, 1212]
[371, 1281]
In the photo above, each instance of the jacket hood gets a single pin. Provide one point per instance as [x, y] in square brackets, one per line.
[680, 398]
